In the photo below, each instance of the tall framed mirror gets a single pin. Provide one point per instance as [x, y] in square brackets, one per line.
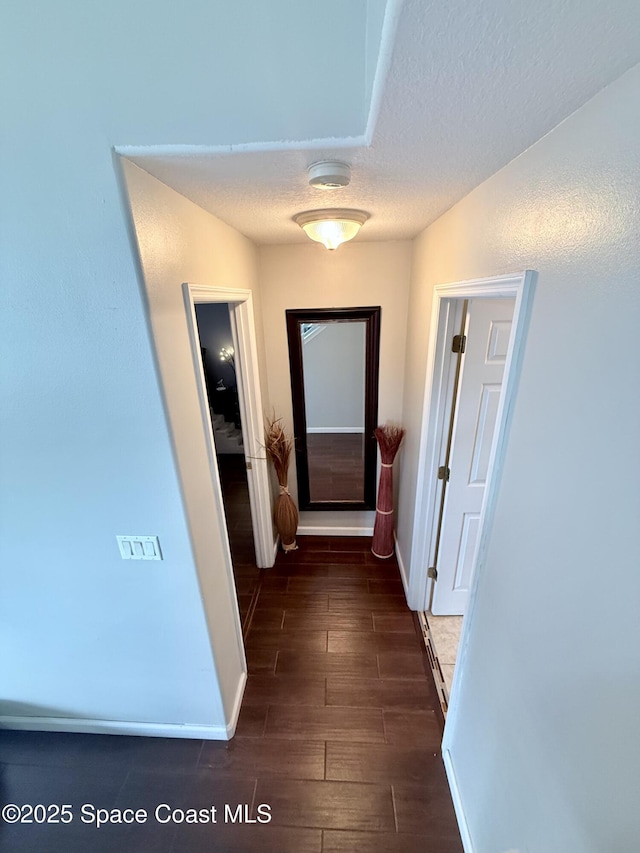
[333, 356]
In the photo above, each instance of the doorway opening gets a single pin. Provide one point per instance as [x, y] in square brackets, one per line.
[477, 336]
[224, 353]
[220, 374]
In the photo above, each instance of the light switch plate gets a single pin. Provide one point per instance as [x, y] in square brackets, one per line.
[139, 547]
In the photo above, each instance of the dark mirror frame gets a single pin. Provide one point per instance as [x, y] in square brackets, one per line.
[371, 317]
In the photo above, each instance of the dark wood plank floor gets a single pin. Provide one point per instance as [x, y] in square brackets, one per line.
[339, 735]
[339, 680]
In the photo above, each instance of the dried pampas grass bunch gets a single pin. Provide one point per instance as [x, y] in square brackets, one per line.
[389, 438]
[285, 513]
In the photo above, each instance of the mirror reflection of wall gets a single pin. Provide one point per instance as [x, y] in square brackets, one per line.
[333, 356]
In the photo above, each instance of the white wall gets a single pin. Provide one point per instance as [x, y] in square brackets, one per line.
[375, 18]
[545, 744]
[356, 275]
[176, 75]
[334, 378]
[86, 455]
[85, 449]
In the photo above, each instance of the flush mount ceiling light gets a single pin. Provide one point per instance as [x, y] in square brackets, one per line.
[329, 175]
[331, 227]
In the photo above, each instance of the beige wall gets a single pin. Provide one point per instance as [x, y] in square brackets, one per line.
[357, 274]
[179, 242]
[544, 743]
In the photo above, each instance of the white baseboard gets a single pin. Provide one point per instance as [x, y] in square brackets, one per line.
[457, 803]
[308, 530]
[80, 725]
[235, 713]
[116, 727]
[403, 571]
[336, 430]
[276, 546]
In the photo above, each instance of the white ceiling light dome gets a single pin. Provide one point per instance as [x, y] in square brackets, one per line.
[329, 175]
[331, 227]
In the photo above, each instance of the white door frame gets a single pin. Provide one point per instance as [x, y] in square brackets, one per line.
[250, 400]
[437, 392]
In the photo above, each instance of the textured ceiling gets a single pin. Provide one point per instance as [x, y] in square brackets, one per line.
[468, 87]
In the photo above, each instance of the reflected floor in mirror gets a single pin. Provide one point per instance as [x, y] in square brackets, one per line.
[336, 466]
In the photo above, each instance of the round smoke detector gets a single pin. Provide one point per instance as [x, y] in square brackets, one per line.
[329, 175]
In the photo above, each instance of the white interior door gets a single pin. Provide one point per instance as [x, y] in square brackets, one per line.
[488, 329]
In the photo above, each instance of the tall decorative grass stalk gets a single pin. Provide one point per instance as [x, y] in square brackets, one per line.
[285, 512]
[389, 439]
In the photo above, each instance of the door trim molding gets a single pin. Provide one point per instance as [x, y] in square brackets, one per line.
[445, 598]
[518, 286]
[521, 286]
[250, 398]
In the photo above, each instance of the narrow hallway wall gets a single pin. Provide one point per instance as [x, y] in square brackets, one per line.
[544, 744]
[179, 242]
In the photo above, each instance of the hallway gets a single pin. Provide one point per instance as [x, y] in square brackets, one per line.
[339, 734]
[341, 722]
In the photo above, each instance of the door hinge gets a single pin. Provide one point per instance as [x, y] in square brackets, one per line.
[432, 573]
[459, 343]
[249, 466]
[444, 473]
